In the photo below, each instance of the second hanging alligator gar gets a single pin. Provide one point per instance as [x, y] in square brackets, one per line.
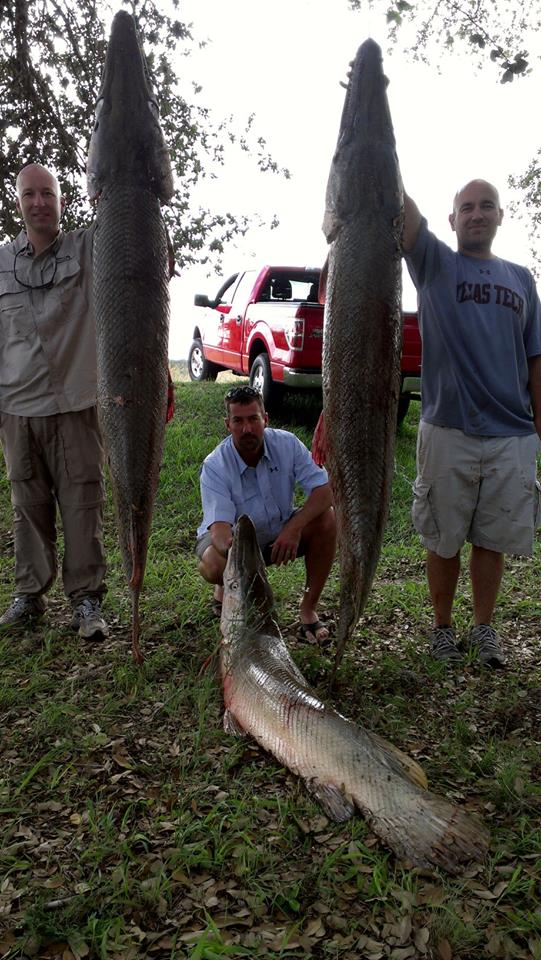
[129, 173]
[363, 326]
[343, 765]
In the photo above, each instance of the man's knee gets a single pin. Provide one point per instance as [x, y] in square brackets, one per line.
[325, 524]
[211, 565]
[321, 529]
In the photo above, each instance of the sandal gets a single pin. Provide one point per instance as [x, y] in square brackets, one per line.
[309, 631]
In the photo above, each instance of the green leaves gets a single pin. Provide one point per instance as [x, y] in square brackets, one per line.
[394, 14]
[51, 60]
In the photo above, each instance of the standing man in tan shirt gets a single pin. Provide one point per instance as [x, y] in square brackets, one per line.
[48, 419]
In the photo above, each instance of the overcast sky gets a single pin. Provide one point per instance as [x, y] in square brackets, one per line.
[284, 62]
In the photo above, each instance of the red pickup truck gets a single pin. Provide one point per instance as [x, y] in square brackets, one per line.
[268, 325]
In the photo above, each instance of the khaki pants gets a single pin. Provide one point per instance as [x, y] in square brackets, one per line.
[56, 460]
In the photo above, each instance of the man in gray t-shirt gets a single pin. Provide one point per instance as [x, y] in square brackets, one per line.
[480, 321]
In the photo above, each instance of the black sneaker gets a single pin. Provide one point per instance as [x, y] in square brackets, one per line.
[443, 645]
[23, 612]
[486, 641]
[88, 620]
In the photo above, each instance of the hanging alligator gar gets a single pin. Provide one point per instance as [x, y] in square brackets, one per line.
[363, 326]
[344, 766]
[129, 171]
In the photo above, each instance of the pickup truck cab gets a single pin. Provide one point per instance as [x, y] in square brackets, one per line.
[264, 324]
[267, 324]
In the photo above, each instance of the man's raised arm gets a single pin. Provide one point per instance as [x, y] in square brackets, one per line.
[412, 222]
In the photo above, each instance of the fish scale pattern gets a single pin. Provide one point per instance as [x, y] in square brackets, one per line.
[341, 763]
[363, 327]
[272, 702]
[131, 304]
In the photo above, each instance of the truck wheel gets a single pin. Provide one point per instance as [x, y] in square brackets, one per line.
[261, 379]
[199, 368]
[403, 407]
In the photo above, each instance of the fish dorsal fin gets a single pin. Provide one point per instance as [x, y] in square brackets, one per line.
[410, 768]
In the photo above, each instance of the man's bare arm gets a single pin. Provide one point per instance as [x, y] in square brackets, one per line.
[287, 542]
[412, 222]
[221, 536]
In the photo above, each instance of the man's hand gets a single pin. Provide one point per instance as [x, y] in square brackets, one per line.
[221, 534]
[319, 442]
[284, 548]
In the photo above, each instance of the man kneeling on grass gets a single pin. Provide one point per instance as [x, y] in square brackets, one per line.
[254, 471]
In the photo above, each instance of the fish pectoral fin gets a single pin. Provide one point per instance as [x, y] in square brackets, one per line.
[332, 799]
[332, 224]
[232, 726]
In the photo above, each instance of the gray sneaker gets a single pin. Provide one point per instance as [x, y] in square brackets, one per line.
[488, 645]
[23, 612]
[443, 645]
[88, 620]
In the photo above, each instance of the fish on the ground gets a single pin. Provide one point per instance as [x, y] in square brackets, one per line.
[344, 766]
[129, 173]
[363, 328]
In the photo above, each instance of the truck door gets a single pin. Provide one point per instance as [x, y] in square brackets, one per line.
[214, 320]
[232, 324]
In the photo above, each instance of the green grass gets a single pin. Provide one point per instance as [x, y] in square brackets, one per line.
[133, 826]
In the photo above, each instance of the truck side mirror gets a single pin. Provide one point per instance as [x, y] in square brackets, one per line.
[201, 300]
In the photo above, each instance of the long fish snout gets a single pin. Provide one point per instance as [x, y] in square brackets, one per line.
[127, 135]
[365, 118]
[245, 556]
[248, 597]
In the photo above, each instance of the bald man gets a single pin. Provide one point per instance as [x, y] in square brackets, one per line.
[48, 421]
[480, 429]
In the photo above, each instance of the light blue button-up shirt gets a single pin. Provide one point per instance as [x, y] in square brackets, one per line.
[230, 488]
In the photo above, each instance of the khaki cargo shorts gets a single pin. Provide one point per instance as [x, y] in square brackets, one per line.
[477, 489]
[205, 540]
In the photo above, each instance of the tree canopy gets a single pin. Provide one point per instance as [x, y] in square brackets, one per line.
[501, 36]
[51, 60]
[496, 32]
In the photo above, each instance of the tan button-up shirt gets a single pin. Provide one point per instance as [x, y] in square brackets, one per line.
[47, 333]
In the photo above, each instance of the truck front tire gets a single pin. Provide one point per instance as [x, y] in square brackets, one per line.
[199, 368]
[261, 379]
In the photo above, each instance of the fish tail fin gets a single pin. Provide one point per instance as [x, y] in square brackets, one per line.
[356, 579]
[430, 832]
[137, 550]
[347, 622]
[137, 543]
[136, 629]
[342, 638]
